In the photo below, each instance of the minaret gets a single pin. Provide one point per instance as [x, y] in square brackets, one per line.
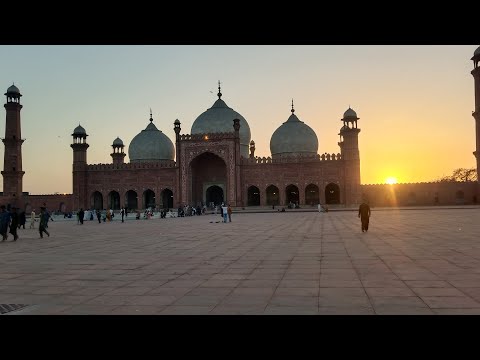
[476, 113]
[351, 157]
[12, 163]
[80, 146]
[178, 194]
[118, 154]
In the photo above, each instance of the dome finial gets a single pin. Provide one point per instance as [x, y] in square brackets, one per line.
[219, 90]
[293, 110]
[151, 118]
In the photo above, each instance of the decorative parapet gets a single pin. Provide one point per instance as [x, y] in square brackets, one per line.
[133, 166]
[207, 136]
[291, 159]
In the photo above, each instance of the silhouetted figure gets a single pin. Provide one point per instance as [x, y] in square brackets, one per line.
[122, 212]
[22, 219]
[99, 216]
[81, 215]
[44, 215]
[14, 223]
[364, 215]
[4, 221]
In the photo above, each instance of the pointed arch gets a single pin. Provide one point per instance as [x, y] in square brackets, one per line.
[273, 195]
[332, 194]
[131, 200]
[114, 200]
[312, 195]
[96, 200]
[253, 196]
[148, 199]
[292, 194]
[166, 197]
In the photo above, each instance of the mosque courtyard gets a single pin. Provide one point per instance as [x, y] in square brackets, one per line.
[420, 261]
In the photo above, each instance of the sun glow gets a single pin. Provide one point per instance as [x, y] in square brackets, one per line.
[391, 180]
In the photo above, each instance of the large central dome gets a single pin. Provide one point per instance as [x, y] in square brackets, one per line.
[151, 145]
[219, 118]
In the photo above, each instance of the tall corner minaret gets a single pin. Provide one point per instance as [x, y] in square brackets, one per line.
[79, 147]
[118, 154]
[12, 162]
[476, 113]
[351, 156]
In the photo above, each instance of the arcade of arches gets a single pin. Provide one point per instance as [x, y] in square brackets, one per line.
[131, 200]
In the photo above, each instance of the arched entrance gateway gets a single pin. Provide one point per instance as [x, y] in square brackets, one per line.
[332, 194]
[208, 181]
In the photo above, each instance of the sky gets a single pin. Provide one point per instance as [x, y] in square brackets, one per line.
[414, 102]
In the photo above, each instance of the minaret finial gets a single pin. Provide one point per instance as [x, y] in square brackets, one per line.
[219, 90]
[293, 110]
[151, 118]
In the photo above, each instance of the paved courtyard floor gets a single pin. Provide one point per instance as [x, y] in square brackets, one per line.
[410, 262]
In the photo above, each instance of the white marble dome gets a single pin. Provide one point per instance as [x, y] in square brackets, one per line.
[151, 145]
[294, 138]
[219, 118]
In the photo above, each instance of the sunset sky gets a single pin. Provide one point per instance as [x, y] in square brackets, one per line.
[414, 102]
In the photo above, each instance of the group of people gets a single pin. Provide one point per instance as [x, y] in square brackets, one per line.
[104, 215]
[11, 221]
[188, 210]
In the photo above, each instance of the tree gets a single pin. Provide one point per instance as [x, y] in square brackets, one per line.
[461, 175]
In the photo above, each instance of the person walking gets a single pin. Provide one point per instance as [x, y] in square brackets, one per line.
[99, 216]
[122, 212]
[22, 219]
[44, 215]
[14, 223]
[81, 214]
[364, 215]
[32, 219]
[229, 212]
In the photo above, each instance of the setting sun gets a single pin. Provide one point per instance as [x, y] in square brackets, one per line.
[391, 180]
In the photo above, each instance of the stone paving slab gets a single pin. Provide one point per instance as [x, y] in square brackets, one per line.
[420, 261]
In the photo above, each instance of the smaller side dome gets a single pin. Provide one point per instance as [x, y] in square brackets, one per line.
[79, 130]
[13, 90]
[117, 142]
[350, 114]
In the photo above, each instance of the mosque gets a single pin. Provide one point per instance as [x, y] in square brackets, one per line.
[216, 163]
